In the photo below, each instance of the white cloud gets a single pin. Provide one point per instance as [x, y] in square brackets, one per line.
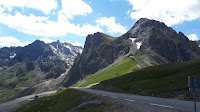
[112, 26]
[71, 8]
[169, 11]
[74, 43]
[43, 5]
[11, 41]
[87, 29]
[192, 37]
[46, 40]
[42, 26]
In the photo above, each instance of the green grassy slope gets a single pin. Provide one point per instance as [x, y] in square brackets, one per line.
[65, 100]
[169, 80]
[120, 68]
[15, 79]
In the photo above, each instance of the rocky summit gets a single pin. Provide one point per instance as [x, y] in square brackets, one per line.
[163, 40]
[149, 42]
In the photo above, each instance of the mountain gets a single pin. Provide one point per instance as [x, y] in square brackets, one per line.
[155, 35]
[38, 51]
[149, 42]
[37, 67]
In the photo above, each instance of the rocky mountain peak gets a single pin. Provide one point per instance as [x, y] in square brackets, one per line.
[163, 40]
[38, 42]
[96, 39]
[58, 41]
[144, 22]
[97, 36]
[182, 37]
[146, 26]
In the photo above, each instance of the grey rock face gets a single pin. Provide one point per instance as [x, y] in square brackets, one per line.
[100, 50]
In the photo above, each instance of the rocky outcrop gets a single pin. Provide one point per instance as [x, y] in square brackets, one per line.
[100, 50]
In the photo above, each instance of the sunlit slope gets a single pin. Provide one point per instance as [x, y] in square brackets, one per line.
[120, 68]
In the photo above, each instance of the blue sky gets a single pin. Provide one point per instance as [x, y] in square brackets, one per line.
[24, 21]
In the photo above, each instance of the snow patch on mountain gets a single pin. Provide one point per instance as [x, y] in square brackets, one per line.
[81, 50]
[53, 49]
[138, 44]
[132, 39]
[68, 47]
[13, 56]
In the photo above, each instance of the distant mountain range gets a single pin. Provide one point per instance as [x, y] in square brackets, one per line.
[149, 42]
[38, 66]
[38, 51]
